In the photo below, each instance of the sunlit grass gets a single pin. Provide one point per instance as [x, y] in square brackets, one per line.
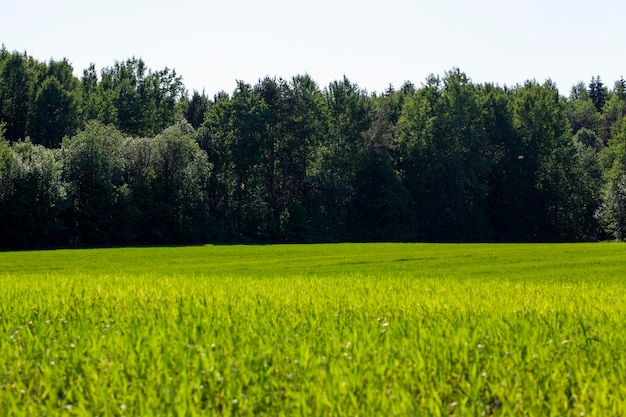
[376, 329]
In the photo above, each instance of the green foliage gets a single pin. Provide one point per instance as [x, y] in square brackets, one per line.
[145, 101]
[135, 190]
[97, 98]
[380, 195]
[613, 159]
[286, 161]
[620, 89]
[93, 167]
[579, 92]
[384, 329]
[420, 166]
[6, 167]
[445, 162]
[467, 156]
[300, 161]
[582, 114]
[597, 92]
[262, 143]
[504, 202]
[546, 157]
[40, 101]
[16, 84]
[31, 190]
[588, 139]
[613, 213]
[55, 114]
[245, 147]
[179, 175]
[539, 118]
[196, 109]
[339, 159]
[589, 182]
[612, 114]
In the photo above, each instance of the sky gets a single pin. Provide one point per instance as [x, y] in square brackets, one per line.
[375, 43]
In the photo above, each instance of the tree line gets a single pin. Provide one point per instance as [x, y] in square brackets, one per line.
[126, 157]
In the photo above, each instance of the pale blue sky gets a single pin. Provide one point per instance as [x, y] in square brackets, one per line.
[374, 42]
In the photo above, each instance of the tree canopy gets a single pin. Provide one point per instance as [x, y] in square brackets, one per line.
[125, 156]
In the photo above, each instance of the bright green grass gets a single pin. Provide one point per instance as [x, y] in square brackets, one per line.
[373, 329]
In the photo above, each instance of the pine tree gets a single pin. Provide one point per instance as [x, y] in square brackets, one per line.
[620, 88]
[597, 93]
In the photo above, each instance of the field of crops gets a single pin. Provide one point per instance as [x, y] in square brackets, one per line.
[350, 329]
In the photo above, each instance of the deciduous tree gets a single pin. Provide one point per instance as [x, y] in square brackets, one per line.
[16, 85]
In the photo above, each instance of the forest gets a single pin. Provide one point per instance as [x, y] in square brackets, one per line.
[126, 156]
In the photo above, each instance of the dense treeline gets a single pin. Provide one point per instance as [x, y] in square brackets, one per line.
[126, 157]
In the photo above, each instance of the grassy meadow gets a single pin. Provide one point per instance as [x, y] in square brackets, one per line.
[346, 329]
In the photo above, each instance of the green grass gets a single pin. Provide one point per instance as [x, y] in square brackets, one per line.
[351, 329]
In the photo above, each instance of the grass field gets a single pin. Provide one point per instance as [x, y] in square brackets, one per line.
[349, 329]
